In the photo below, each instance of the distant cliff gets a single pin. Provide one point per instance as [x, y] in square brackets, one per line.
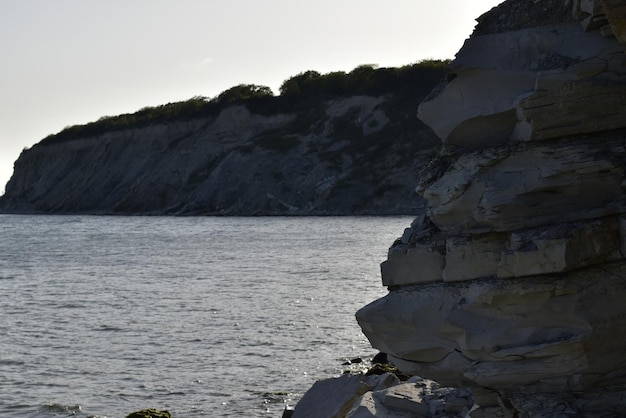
[339, 143]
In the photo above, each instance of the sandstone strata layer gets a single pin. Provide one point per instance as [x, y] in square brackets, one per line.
[513, 283]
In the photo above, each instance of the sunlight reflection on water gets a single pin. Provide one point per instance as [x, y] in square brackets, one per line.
[219, 316]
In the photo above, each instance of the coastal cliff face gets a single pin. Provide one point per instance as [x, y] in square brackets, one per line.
[348, 155]
[513, 283]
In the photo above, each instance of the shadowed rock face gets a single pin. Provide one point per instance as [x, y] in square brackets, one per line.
[513, 283]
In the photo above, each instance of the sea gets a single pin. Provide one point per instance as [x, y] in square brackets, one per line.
[101, 316]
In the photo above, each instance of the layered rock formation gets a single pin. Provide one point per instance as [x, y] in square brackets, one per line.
[341, 154]
[513, 283]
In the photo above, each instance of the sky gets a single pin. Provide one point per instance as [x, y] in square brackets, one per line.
[70, 62]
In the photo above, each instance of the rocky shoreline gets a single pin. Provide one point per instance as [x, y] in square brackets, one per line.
[383, 388]
[510, 288]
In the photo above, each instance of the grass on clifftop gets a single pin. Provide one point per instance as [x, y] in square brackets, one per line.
[301, 91]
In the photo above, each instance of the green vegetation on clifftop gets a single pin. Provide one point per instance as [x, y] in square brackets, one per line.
[301, 91]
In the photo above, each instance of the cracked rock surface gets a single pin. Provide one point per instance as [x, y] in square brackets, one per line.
[513, 283]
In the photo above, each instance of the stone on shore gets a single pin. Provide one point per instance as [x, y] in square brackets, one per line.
[359, 396]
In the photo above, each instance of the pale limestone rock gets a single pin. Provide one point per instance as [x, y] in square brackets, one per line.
[414, 399]
[384, 396]
[553, 110]
[336, 397]
[513, 283]
[501, 77]
[561, 248]
[473, 257]
[530, 186]
[555, 248]
[544, 333]
[400, 269]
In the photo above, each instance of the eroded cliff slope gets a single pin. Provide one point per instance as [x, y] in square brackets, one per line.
[305, 154]
[513, 283]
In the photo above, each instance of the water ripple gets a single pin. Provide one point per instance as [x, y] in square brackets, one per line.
[101, 316]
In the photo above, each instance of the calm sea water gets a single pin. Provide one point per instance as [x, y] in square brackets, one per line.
[102, 316]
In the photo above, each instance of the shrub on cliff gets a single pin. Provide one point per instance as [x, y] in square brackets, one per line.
[243, 92]
[365, 79]
[195, 107]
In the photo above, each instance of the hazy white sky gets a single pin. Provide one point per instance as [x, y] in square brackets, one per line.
[68, 62]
